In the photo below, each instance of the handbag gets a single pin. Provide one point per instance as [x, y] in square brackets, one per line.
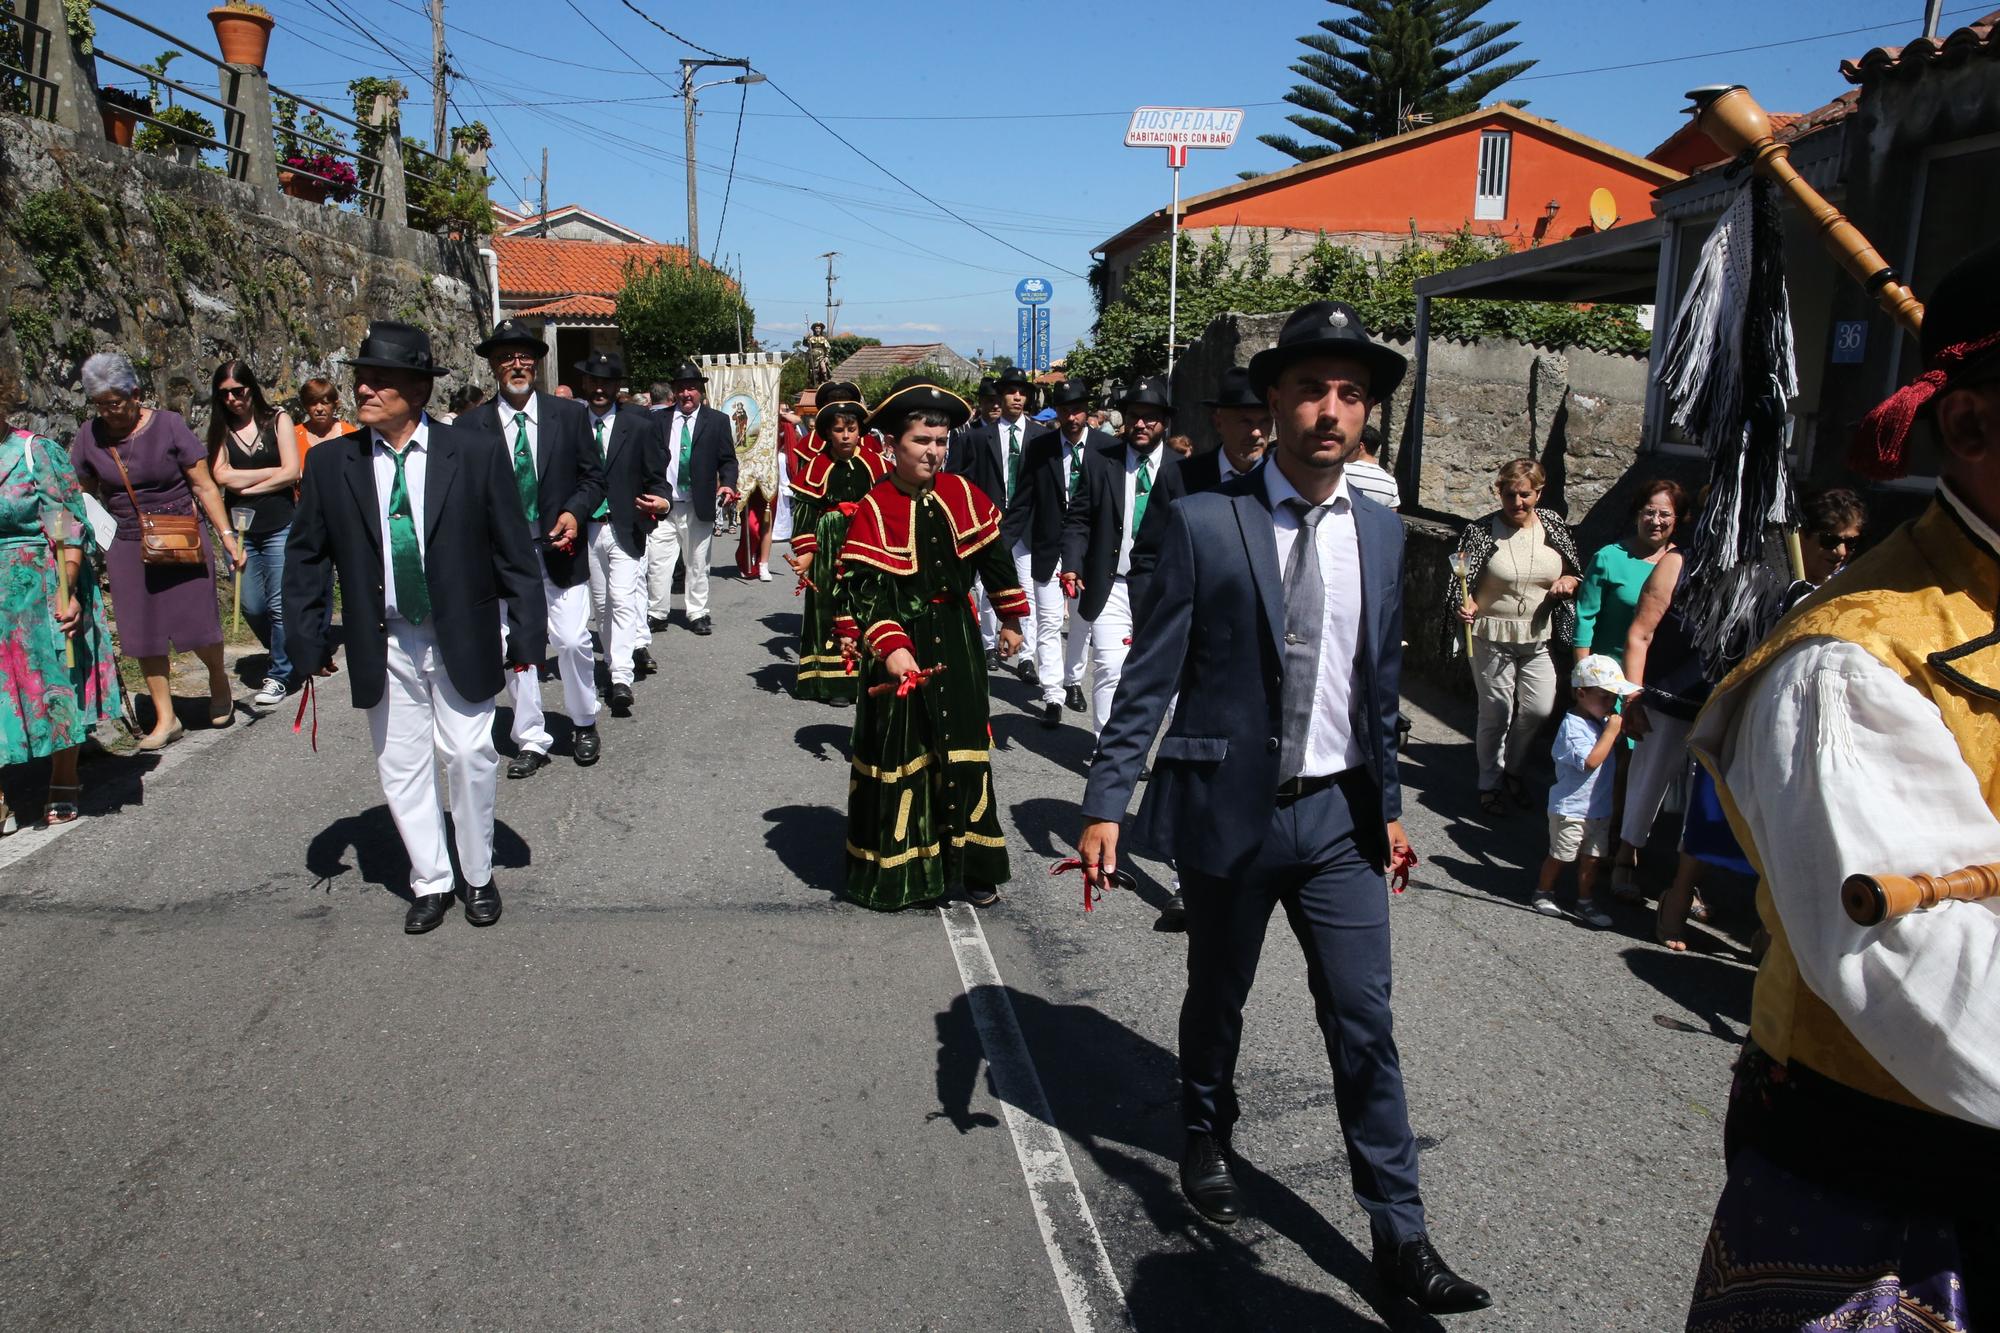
[164, 539]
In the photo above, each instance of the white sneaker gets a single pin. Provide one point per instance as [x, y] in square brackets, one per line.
[1546, 905]
[764, 574]
[272, 694]
[1592, 915]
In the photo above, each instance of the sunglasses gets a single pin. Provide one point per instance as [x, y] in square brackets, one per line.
[234, 391]
[1830, 541]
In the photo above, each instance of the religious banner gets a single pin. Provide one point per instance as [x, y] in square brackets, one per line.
[744, 388]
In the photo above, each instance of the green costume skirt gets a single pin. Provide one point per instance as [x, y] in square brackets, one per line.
[822, 673]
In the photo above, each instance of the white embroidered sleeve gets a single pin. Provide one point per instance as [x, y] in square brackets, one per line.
[1838, 767]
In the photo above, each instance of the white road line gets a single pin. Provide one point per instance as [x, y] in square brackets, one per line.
[1076, 1251]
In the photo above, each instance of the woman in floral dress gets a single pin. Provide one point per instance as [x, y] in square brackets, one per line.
[829, 486]
[51, 702]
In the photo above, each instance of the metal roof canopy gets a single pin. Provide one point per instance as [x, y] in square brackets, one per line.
[1617, 265]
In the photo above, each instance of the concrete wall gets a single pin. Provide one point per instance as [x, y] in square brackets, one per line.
[182, 268]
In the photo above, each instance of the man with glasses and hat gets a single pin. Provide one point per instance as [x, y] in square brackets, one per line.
[424, 524]
[1051, 471]
[1242, 421]
[1111, 534]
[634, 453]
[701, 469]
[1276, 613]
[560, 483]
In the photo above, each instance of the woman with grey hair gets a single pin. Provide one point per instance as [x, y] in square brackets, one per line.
[144, 460]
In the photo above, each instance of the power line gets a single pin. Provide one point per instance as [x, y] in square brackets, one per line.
[730, 187]
[692, 46]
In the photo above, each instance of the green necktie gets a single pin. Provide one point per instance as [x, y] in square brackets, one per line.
[1139, 490]
[1075, 467]
[413, 594]
[1013, 458]
[687, 451]
[604, 506]
[524, 466]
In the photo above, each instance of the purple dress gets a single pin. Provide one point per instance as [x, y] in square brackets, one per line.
[158, 608]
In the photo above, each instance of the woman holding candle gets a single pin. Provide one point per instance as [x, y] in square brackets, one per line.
[58, 674]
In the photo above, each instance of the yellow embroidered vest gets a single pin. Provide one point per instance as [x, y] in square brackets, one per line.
[1930, 589]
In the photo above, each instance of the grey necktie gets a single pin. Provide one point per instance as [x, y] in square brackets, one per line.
[1305, 616]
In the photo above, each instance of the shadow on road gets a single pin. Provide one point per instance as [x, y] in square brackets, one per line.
[1716, 991]
[811, 842]
[1067, 746]
[1049, 825]
[1114, 1094]
[774, 677]
[379, 855]
[825, 741]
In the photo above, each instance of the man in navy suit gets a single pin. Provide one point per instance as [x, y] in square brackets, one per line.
[1242, 422]
[1277, 780]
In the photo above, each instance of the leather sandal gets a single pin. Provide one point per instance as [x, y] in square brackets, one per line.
[62, 804]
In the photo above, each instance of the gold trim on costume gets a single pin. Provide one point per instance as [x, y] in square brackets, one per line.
[967, 756]
[891, 862]
[903, 813]
[985, 786]
[960, 839]
[917, 765]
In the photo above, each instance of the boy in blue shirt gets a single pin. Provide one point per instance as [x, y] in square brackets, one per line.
[1580, 801]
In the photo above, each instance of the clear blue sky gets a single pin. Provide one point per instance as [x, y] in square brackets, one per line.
[1012, 116]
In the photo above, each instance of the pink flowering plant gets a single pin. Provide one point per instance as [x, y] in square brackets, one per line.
[339, 175]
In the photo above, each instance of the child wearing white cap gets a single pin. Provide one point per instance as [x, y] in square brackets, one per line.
[1580, 801]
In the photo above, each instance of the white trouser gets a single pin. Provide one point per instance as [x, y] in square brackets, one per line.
[419, 715]
[781, 517]
[989, 624]
[569, 641]
[1048, 602]
[1076, 644]
[617, 600]
[1110, 641]
[686, 538]
[1656, 762]
[1024, 574]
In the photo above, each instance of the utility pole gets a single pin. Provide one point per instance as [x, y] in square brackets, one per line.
[438, 71]
[545, 192]
[688, 90]
[831, 278]
[1933, 14]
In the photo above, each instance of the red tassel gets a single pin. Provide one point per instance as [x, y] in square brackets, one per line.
[308, 696]
[1881, 441]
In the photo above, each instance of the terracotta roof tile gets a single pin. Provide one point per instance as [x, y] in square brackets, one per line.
[533, 266]
[1981, 37]
[573, 307]
[871, 361]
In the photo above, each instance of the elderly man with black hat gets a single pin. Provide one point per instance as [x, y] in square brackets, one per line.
[1111, 534]
[424, 524]
[701, 468]
[634, 451]
[560, 483]
[1276, 613]
[1242, 421]
[1051, 471]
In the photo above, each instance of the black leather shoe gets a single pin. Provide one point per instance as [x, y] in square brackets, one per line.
[1052, 716]
[1206, 1181]
[642, 662]
[1073, 699]
[526, 764]
[482, 904]
[1415, 1271]
[701, 626]
[425, 913]
[1174, 914]
[981, 895]
[1025, 669]
[621, 700]
[585, 746]
[655, 624]
[992, 661]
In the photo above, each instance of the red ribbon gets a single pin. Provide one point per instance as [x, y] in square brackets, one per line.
[308, 696]
[847, 508]
[1882, 438]
[1400, 866]
[909, 683]
[1094, 892]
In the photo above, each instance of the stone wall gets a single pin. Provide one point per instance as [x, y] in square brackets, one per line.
[181, 268]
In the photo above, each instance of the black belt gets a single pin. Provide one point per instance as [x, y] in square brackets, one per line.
[1291, 789]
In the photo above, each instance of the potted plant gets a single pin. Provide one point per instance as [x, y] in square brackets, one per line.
[180, 132]
[121, 111]
[243, 31]
[330, 178]
[472, 142]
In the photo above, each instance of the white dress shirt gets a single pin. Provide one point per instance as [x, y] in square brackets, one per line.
[1069, 454]
[508, 413]
[1224, 468]
[675, 423]
[416, 459]
[1133, 460]
[1019, 425]
[1331, 745]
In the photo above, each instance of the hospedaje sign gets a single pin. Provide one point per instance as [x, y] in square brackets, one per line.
[1183, 127]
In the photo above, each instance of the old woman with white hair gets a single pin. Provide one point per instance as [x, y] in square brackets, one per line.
[151, 473]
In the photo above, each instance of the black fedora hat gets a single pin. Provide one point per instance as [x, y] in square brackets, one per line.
[916, 393]
[1151, 391]
[1068, 393]
[511, 333]
[1012, 375]
[602, 365]
[989, 387]
[1329, 328]
[688, 372]
[391, 345]
[1235, 391]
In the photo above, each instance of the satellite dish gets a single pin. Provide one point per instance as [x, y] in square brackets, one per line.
[1603, 209]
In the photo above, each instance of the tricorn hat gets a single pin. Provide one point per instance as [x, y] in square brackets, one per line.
[512, 333]
[840, 391]
[395, 346]
[1013, 375]
[603, 365]
[1235, 391]
[1151, 391]
[1329, 328]
[1068, 393]
[688, 372]
[833, 409]
[916, 393]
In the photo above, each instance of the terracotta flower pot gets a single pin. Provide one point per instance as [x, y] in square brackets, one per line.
[301, 186]
[119, 125]
[243, 36]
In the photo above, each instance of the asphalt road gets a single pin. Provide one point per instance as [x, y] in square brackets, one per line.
[682, 1085]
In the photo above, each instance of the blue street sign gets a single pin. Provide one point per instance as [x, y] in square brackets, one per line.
[1033, 291]
[1024, 338]
[1041, 338]
[1850, 342]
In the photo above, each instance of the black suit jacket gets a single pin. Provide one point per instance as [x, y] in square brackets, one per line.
[635, 464]
[714, 460]
[1212, 629]
[569, 478]
[1203, 472]
[980, 455]
[482, 555]
[1036, 513]
[1094, 527]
